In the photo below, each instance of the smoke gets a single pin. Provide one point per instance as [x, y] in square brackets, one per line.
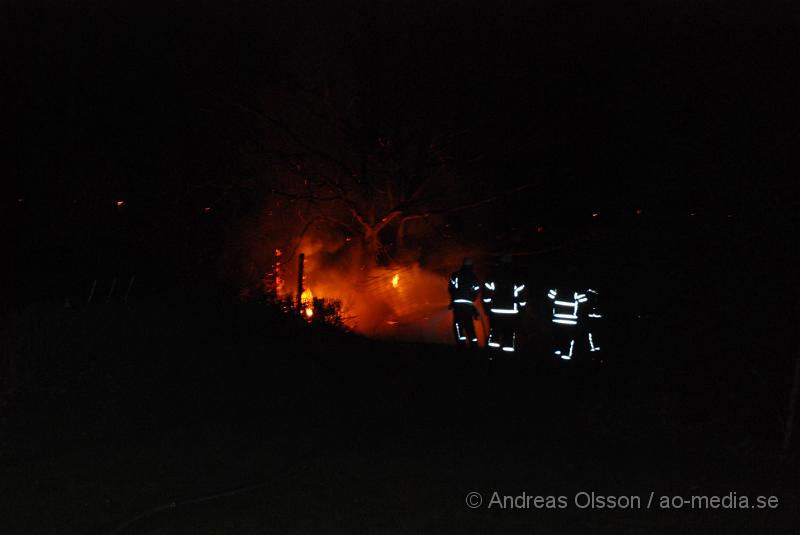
[400, 300]
[405, 299]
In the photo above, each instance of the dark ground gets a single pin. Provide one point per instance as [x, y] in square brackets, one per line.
[175, 398]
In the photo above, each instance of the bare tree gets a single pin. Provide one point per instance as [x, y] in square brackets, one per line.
[369, 167]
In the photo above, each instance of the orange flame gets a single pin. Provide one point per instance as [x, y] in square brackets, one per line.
[307, 301]
[371, 299]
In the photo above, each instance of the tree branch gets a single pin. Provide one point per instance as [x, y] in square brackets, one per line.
[293, 136]
[467, 206]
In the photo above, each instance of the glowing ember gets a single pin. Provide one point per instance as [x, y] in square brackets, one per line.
[278, 272]
[306, 297]
[120, 203]
[395, 280]
[307, 301]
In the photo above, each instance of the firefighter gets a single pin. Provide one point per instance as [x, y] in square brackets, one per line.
[464, 290]
[575, 318]
[504, 297]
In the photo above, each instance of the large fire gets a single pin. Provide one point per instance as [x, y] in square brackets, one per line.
[395, 301]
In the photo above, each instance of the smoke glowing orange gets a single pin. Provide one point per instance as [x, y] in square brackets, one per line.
[373, 302]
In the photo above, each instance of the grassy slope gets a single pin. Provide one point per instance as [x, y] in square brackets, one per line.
[176, 399]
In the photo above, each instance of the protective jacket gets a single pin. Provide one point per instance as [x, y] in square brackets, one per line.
[463, 287]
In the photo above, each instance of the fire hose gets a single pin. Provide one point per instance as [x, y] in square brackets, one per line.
[304, 461]
[213, 496]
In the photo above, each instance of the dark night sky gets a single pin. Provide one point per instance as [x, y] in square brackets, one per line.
[668, 105]
[660, 92]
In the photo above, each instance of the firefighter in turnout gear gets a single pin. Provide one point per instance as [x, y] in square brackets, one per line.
[575, 318]
[464, 290]
[504, 298]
